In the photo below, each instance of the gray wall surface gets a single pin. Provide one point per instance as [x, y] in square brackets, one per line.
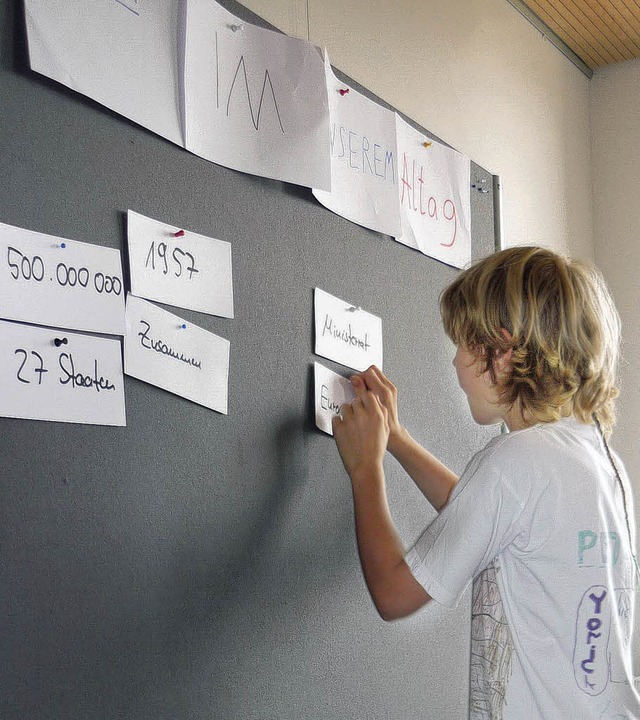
[194, 565]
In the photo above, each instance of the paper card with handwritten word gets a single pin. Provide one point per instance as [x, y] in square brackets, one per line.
[178, 267]
[346, 333]
[60, 375]
[434, 192]
[121, 53]
[256, 100]
[364, 170]
[164, 350]
[331, 391]
[53, 281]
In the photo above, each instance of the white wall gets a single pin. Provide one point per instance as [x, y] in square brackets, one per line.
[615, 126]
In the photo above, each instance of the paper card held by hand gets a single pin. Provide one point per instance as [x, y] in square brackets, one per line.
[331, 391]
[346, 333]
[178, 356]
[179, 267]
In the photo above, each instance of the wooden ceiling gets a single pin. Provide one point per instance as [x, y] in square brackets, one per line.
[599, 32]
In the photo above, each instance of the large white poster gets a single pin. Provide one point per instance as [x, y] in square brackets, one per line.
[364, 163]
[434, 192]
[256, 100]
[54, 281]
[121, 53]
[59, 375]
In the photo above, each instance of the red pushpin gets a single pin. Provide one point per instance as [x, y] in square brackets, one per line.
[180, 233]
[343, 91]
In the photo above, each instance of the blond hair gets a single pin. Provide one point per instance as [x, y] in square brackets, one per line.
[561, 325]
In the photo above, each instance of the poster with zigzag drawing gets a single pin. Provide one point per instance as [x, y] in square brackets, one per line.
[255, 99]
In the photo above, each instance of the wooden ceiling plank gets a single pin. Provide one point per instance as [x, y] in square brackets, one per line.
[626, 20]
[572, 36]
[633, 6]
[572, 26]
[590, 21]
[584, 54]
[600, 10]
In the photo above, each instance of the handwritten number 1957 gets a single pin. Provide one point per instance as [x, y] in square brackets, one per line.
[39, 369]
[178, 256]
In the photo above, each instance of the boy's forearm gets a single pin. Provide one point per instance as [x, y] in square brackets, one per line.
[394, 590]
[433, 478]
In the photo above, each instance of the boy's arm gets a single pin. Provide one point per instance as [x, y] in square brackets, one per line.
[361, 435]
[433, 479]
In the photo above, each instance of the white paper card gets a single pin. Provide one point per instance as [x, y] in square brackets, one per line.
[121, 53]
[345, 333]
[79, 380]
[192, 271]
[78, 286]
[331, 392]
[435, 197]
[255, 99]
[166, 351]
[364, 186]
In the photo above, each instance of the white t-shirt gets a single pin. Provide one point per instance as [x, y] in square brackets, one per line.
[537, 521]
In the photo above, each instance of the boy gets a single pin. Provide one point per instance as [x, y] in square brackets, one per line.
[541, 519]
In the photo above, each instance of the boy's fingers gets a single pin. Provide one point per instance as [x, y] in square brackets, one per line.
[346, 411]
[382, 378]
[377, 381]
[371, 402]
[358, 384]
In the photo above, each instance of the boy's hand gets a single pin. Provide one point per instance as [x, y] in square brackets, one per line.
[361, 432]
[374, 380]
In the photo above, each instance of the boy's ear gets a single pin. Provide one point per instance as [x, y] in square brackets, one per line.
[502, 360]
[508, 336]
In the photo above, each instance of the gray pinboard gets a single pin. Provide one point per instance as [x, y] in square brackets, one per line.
[193, 565]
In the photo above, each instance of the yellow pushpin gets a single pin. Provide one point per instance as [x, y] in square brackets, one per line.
[426, 144]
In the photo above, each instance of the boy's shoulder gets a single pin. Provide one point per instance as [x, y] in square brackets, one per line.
[536, 454]
[518, 443]
[544, 439]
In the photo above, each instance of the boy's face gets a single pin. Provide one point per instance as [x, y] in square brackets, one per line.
[480, 390]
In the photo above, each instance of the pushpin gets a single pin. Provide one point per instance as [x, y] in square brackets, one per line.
[183, 326]
[235, 28]
[63, 245]
[354, 308]
[60, 341]
[180, 233]
[427, 144]
[343, 91]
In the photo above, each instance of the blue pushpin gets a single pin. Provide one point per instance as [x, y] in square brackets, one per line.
[184, 326]
[63, 245]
